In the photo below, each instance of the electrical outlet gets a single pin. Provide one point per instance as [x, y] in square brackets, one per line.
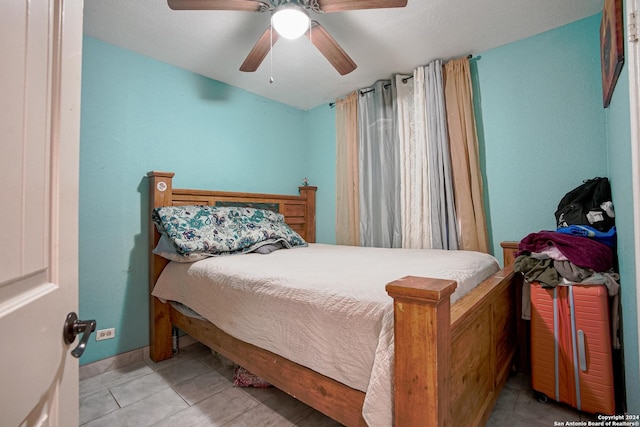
[105, 334]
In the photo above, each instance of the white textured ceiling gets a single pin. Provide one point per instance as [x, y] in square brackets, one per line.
[382, 42]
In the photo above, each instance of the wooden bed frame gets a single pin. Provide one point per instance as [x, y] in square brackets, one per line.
[451, 361]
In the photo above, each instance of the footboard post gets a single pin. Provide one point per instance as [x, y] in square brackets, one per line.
[422, 323]
[160, 188]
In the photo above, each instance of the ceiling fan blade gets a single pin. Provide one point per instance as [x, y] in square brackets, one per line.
[259, 51]
[241, 5]
[331, 50]
[343, 5]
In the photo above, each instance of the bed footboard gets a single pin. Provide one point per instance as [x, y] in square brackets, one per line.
[470, 346]
[422, 320]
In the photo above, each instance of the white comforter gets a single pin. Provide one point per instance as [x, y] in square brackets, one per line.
[323, 306]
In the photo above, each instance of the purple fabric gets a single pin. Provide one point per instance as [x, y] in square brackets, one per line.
[581, 251]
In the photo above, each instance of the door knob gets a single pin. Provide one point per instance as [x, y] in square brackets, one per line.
[73, 327]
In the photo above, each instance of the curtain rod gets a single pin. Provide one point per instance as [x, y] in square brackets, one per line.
[404, 80]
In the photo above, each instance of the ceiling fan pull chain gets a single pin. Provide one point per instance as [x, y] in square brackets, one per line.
[271, 55]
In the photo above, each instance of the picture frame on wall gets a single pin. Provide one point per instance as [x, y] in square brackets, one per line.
[611, 47]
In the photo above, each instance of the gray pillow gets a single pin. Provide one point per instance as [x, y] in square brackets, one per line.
[165, 249]
[268, 248]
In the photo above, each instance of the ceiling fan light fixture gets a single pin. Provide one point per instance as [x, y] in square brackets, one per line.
[290, 21]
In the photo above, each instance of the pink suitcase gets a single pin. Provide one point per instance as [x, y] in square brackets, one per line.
[571, 351]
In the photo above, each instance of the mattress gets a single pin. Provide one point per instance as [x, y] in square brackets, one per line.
[322, 306]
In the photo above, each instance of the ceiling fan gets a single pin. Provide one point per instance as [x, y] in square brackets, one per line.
[290, 15]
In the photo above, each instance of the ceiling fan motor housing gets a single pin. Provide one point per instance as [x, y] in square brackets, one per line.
[290, 19]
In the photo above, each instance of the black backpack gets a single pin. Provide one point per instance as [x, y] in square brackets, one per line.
[588, 204]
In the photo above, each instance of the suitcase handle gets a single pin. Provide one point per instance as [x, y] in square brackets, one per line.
[582, 353]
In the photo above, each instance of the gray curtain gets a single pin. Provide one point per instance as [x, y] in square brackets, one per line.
[444, 232]
[378, 158]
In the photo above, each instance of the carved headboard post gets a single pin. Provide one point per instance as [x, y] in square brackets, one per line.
[522, 359]
[309, 193]
[160, 194]
[509, 250]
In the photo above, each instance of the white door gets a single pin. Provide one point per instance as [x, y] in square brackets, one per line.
[40, 64]
[632, 8]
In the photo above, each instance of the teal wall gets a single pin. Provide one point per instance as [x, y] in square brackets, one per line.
[541, 126]
[322, 169]
[139, 115]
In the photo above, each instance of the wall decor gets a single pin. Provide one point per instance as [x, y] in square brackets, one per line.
[611, 47]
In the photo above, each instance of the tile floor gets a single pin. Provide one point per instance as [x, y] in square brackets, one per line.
[196, 389]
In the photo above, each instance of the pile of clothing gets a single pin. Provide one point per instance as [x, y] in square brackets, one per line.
[576, 254]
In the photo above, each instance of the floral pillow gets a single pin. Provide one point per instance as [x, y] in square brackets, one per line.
[223, 230]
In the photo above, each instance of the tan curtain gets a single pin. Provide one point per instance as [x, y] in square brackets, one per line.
[463, 140]
[347, 196]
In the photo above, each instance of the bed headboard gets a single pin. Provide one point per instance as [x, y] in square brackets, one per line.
[299, 213]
